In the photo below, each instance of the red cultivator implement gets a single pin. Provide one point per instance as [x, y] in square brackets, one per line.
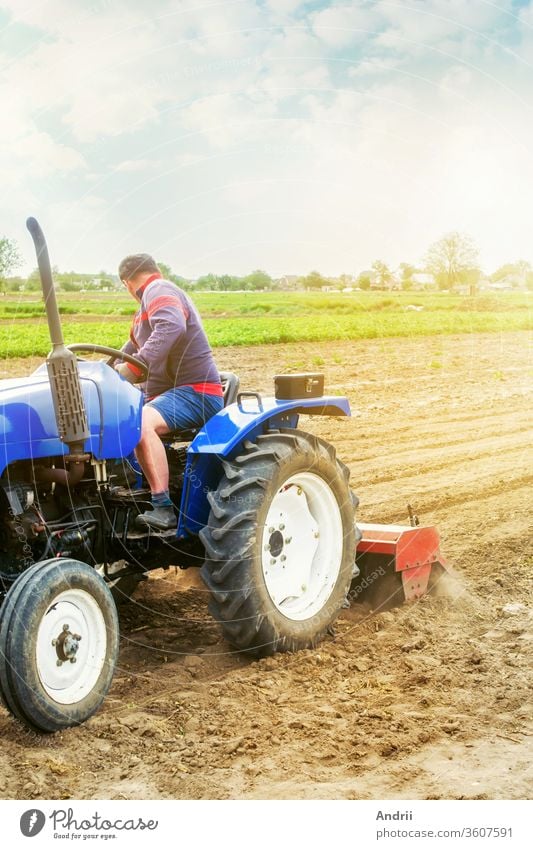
[396, 563]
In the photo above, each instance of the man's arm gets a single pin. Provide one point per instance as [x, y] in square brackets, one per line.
[167, 317]
[127, 370]
[129, 348]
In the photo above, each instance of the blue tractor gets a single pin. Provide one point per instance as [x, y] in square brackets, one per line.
[264, 508]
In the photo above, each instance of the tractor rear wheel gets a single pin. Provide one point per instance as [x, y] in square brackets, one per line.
[59, 639]
[280, 543]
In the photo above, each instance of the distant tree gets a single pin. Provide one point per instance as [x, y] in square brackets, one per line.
[471, 278]
[313, 280]
[9, 259]
[168, 274]
[407, 271]
[70, 286]
[225, 282]
[384, 276]
[236, 283]
[258, 279]
[207, 281]
[406, 275]
[364, 281]
[345, 281]
[452, 259]
[15, 284]
[33, 283]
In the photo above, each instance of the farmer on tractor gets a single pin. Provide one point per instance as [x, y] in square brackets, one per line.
[183, 388]
[265, 508]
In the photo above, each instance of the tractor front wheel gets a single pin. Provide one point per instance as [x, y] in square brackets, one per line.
[280, 543]
[59, 638]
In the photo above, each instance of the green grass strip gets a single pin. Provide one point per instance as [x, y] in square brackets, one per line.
[31, 339]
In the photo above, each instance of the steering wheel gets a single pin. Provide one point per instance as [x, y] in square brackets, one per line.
[113, 354]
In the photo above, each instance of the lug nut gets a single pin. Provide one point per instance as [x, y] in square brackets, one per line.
[59, 662]
[282, 527]
[271, 530]
[272, 562]
[316, 535]
[65, 627]
[283, 557]
[288, 540]
[54, 642]
[77, 637]
[73, 660]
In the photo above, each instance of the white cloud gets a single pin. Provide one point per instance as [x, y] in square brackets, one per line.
[290, 42]
[285, 7]
[294, 78]
[225, 119]
[300, 153]
[430, 21]
[90, 68]
[227, 30]
[130, 165]
[42, 156]
[342, 26]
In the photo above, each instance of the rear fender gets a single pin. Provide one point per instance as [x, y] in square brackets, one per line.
[222, 437]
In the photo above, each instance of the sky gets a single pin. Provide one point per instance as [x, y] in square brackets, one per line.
[277, 134]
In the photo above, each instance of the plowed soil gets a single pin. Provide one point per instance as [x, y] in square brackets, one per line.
[429, 700]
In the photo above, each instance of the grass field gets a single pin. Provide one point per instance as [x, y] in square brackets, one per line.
[250, 318]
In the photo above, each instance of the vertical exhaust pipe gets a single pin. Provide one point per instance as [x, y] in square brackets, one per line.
[61, 363]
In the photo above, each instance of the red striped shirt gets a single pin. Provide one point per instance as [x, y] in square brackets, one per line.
[206, 388]
[165, 301]
[176, 346]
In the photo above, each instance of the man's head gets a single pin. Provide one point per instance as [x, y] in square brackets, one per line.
[133, 269]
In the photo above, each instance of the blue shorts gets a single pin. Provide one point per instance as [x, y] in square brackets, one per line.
[183, 408]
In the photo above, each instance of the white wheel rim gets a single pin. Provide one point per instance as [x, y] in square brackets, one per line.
[64, 681]
[302, 546]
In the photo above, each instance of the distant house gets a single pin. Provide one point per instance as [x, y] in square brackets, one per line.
[423, 280]
[508, 283]
[288, 281]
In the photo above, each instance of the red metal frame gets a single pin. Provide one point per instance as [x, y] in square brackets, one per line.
[414, 551]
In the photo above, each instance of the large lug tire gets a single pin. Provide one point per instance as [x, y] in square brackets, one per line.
[59, 637]
[280, 543]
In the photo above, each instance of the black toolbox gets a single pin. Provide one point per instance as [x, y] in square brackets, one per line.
[293, 386]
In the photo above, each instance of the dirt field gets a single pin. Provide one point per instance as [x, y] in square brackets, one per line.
[430, 700]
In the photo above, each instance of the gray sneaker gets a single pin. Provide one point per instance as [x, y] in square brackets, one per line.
[160, 519]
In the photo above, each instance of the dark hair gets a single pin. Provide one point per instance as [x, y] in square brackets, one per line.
[136, 264]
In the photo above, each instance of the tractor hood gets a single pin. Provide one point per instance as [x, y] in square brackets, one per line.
[28, 428]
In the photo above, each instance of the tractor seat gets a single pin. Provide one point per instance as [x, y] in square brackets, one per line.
[230, 387]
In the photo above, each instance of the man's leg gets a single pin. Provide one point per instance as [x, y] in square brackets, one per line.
[151, 452]
[152, 456]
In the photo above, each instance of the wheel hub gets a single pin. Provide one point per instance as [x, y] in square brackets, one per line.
[68, 663]
[302, 545]
[66, 645]
[275, 543]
